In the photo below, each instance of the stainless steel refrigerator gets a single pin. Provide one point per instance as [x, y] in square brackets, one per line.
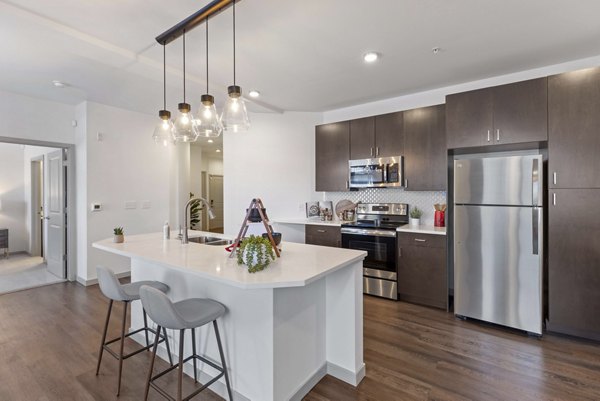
[498, 240]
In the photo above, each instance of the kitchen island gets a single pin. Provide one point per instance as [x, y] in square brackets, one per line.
[285, 327]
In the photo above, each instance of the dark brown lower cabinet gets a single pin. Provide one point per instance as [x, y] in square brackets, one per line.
[422, 271]
[323, 235]
[574, 262]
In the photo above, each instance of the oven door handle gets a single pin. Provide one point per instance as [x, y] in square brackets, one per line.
[372, 232]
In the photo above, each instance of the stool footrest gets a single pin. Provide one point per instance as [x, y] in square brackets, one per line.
[145, 348]
[195, 392]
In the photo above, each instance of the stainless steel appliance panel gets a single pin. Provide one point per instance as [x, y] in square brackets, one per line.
[380, 288]
[512, 180]
[498, 265]
[382, 172]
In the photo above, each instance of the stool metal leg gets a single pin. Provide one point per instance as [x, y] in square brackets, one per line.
[194, 353]
[167, 343]
[223, 360]
[152, 362]
[110, 304]
[146, 328]
[124, 322]
[180, 370]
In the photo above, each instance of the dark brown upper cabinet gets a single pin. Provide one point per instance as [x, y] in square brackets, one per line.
[362, 138]
[378, 136]
[574, 129]
[425, 156]
[506, 114]
[332, 151]
[389, 134]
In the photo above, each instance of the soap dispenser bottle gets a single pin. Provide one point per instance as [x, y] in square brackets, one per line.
[166, 231]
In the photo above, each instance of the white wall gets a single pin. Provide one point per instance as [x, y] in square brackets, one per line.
[274, 161]
[125, 165]
[35, 119]
[12, 196]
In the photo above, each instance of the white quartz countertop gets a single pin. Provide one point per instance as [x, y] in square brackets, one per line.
[313, 221]
[299, 264]
[422, 229]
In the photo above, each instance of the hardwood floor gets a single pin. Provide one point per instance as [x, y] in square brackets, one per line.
[49, 340]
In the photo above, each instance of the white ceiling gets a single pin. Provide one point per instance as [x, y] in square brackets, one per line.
[301, 55]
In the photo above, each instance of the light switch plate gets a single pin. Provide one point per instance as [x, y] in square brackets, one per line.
[146, 204]
[95, 207]
[130, 205]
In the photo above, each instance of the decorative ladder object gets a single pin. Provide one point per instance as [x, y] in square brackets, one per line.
[255, 204]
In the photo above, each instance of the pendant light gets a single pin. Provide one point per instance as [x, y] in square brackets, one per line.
[235, 116]
[184, 126]
[163, 132]
[208, 122]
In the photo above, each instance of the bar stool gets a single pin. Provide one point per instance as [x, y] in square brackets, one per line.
[126, 293]
[187, 314]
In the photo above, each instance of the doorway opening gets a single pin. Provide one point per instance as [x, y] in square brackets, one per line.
[206, 180]
[35, 203]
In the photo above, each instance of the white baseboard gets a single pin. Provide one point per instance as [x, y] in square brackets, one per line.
[346, 375]
[94, 281]
[312, 381]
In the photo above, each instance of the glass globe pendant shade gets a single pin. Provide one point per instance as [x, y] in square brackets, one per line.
[163, 132]
[235, 116]
[207, 120]
[184, 128]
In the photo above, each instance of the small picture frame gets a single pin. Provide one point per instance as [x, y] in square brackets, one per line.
[326, 205]
[312, 209]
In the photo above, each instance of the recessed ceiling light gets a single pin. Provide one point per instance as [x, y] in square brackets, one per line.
[218, 150]
[59, 84]
[254, 93]
[436, 50]
[210, 141]
[370, 57]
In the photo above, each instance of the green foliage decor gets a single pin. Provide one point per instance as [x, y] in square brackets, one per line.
[195, 208]
[258, 251]
[416, 213]
[118, 230]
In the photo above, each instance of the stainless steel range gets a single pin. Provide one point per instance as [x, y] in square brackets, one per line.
[374, 231]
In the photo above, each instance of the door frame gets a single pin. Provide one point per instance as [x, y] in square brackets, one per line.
[71, 217]
[35, 223]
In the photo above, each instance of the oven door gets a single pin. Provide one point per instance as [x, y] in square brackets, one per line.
[380, 246]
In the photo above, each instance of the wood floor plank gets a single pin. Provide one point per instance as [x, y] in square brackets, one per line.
[49, 339]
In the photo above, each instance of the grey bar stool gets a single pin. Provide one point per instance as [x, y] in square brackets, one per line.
[126, 293]
[187, 314]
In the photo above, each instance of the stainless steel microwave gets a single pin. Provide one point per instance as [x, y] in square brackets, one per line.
[382, 172]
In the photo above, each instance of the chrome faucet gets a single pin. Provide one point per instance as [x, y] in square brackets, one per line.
[211, 215]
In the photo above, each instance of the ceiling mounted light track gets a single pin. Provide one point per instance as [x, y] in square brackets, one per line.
[208, 124]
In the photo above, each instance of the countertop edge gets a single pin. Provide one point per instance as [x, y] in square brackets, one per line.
[422, 230]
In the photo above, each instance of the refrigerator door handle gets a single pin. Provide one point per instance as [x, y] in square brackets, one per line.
[535, 215]
[535, 182]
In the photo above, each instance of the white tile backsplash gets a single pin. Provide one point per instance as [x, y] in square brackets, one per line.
[424, 200]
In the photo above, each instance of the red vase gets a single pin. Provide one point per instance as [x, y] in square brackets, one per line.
[439, 219]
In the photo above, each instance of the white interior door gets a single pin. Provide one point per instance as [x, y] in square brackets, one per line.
[215, 191]
[55, 214]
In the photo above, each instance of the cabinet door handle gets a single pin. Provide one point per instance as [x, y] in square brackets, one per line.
[406, 182]
[498, 135]
[377, 151]
[488, 135]
[400, 252]
[554, 175]
[371, 152]
[554, 199]
[321, 231]
[420, 240]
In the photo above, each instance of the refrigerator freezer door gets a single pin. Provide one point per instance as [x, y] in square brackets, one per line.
[513, 180]
[498, 265]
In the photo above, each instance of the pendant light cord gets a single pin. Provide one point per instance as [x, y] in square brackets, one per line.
[207, 56]
[164, 77]
[234, 42]
[183, 66]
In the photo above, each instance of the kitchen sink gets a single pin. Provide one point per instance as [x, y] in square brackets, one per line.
[210, 240]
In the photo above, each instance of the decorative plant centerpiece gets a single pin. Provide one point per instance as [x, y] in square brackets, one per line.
[118, 238]
[256, 253]
[415, 217]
